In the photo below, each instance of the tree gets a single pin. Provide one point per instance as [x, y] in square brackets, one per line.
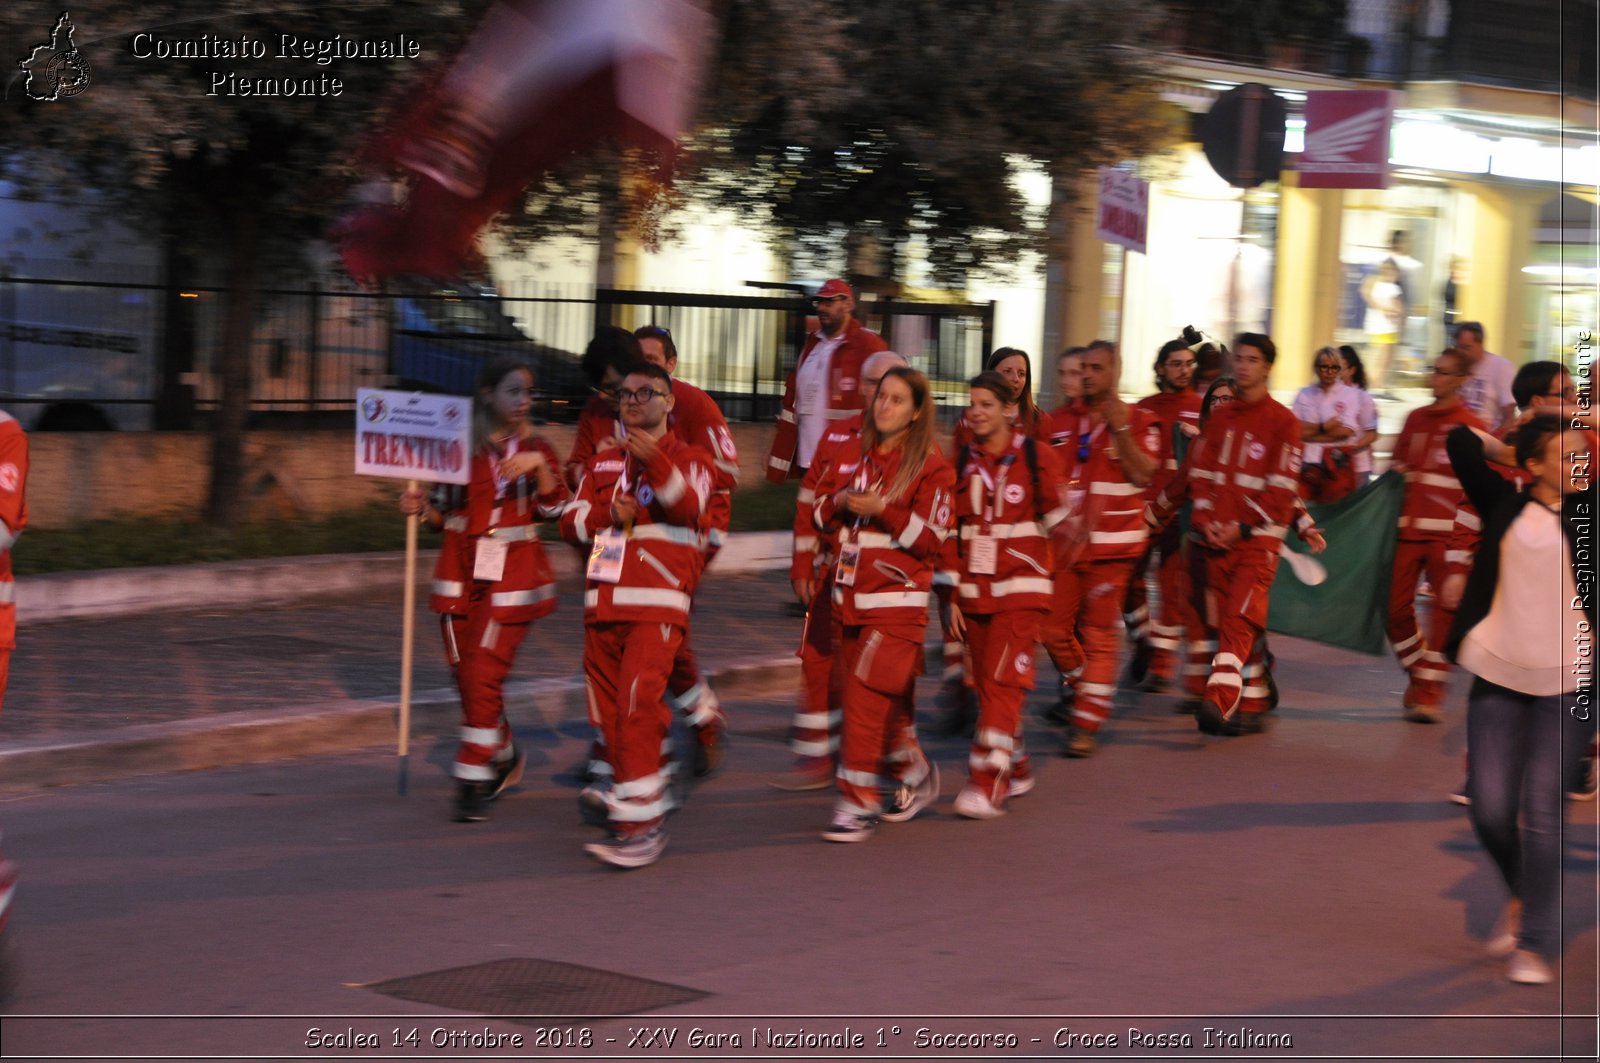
[195, 151]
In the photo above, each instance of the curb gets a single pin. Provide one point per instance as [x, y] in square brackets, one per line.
[278, 581]
[250, 738]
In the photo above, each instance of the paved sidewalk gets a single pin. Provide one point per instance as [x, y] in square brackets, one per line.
[103, 697]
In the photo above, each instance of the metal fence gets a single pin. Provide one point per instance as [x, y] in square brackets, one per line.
[131, 354]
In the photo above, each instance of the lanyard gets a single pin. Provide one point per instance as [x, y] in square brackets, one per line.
[501, 484]
[1086, 444]
[994, 497]
[867, 478]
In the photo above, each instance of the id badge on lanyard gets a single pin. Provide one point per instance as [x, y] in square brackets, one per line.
[849, 547]
[983, 552]
[489, 559]
[605, 557]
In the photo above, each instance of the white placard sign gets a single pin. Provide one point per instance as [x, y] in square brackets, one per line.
[412, 436]
[1123, 214]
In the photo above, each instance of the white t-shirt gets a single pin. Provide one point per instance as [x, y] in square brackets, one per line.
[1526, 642]
[1341, 403]
[1367, 418]
[811, 394]
[1488, 390]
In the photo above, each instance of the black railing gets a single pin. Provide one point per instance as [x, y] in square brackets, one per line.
[84, 354]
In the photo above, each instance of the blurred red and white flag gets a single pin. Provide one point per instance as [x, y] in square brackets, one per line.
[537, 81]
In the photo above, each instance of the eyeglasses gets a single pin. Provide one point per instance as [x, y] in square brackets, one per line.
[828, 299]
[1329, 368]
[1570, 394]
[641, 396]
[1441, 372]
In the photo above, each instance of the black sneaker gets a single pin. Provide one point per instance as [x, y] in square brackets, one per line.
[1187, 706]
[1139, 663]
[1059, 712]
[1272, 690]
[508, 773]
[1244, 723]
[472, 801]
[1208, 718]
[960, 718]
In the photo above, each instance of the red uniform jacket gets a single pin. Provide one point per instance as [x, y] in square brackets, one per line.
[14, 514]
[897, 548]
[1249, 471]
[451, 576]
[1108, 508]
[665, 547]
[1001, 498]
[511, 511]
[841, 442]
[1433, 494]
[844, 394]
[1170, 409]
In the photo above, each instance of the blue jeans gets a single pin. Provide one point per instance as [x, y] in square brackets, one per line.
[1521, 752]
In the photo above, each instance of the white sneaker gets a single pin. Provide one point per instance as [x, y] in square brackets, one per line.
[973, 803]
[1503, 938]
[849, 827]
[637, 851]
[1016, 787]
[1527, 968]
[909, 800]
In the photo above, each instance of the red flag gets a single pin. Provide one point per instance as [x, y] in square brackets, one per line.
[538, 81]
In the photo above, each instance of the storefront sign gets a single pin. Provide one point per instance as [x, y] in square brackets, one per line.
[1347, 139]
[412, 436]
[1123, 216]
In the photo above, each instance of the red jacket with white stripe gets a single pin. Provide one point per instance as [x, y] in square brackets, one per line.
[997, 496]
[452, 570]
[697, 420]
[665, 549]
[1170, 409]
[14, 515]
[1248, 472]
[898, 548]
[1433, 494]
[510, 511]
[841, 442]
[1109, 508]
[844, 394]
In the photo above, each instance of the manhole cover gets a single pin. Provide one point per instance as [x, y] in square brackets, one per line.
[537, 989]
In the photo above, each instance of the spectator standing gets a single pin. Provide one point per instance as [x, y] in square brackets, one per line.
[1329, 412]
[1354, 373]
[825, 384]
[1488, 391]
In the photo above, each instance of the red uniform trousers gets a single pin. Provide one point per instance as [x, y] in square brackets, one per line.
[1002, 656]
[1059, 629]
[1421, 656]
[1173, 620]
[485, 651]
[815, 731]
[882, 664]
[625, 668]
[1231, 587]
[688, 693]
[1092, 593]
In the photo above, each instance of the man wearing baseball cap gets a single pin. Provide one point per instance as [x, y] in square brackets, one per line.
[825, 383]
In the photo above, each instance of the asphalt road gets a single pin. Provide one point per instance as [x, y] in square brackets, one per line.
[1311, 886]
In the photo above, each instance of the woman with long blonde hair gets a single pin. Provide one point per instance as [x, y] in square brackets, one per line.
[891, 510]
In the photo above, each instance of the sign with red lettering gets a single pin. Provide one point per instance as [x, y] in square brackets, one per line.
[1123, 216]
[1347, 139]
[413, 437]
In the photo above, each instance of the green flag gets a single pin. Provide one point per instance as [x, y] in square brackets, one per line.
[1351, 607]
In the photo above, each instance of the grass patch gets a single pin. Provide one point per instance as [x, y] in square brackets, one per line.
[134, 543]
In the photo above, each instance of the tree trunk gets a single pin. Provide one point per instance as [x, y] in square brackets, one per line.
[223, 502]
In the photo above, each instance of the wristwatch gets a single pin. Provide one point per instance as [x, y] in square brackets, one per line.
[1245, 531]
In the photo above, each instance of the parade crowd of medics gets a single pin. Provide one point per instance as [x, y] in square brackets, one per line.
[1160, 523]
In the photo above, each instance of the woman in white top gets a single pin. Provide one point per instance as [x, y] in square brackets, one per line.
[1525, 631]
[1355, 374]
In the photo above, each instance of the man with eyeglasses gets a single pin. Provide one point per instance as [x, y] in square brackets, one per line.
[814, 734]
[1487, 391]
[1158, 640]
[1428, 517]
[824, 385]
[1329, 412]
[640, 509]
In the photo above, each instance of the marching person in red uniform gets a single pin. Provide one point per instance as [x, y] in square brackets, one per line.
[1108, 468]
[13, 518]
[697, 420]
[824, 385]
[1158, 640]
[814, 735]
[514, 484]
[891, 511]
[995, 585]
[1024, 414]
[1061, 646]
[1245, 484]
[642, 508]
[1428, 517]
